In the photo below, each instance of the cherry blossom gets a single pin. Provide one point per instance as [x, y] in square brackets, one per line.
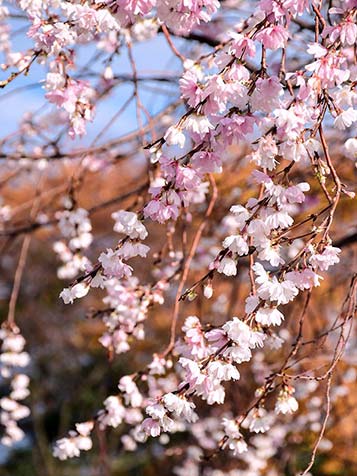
[197, 228]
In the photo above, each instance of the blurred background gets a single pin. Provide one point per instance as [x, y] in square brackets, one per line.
[70, 371]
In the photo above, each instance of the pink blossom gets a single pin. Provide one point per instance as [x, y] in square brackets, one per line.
[329, 69]
[273, 37]
[151, 427]
[187, 178]
[217, 338]
[327, 258]
[75, 98]
[113, 266]
[164, 208]
[241, 45]
[190, 87]
[206, 162]
[304, 279]
[266, 95]
[345, 31]
[235, 128]
[194, 337]
[183, 15]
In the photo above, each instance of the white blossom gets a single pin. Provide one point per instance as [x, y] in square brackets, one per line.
[129, 224]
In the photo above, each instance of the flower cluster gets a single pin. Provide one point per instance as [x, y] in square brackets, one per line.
[111, 263]
[76, 442]
[127, 305]
[74, 96]
[76, 228]
[267, 100]
[13, 359]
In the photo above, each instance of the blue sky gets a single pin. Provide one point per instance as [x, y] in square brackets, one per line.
[25, 93]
